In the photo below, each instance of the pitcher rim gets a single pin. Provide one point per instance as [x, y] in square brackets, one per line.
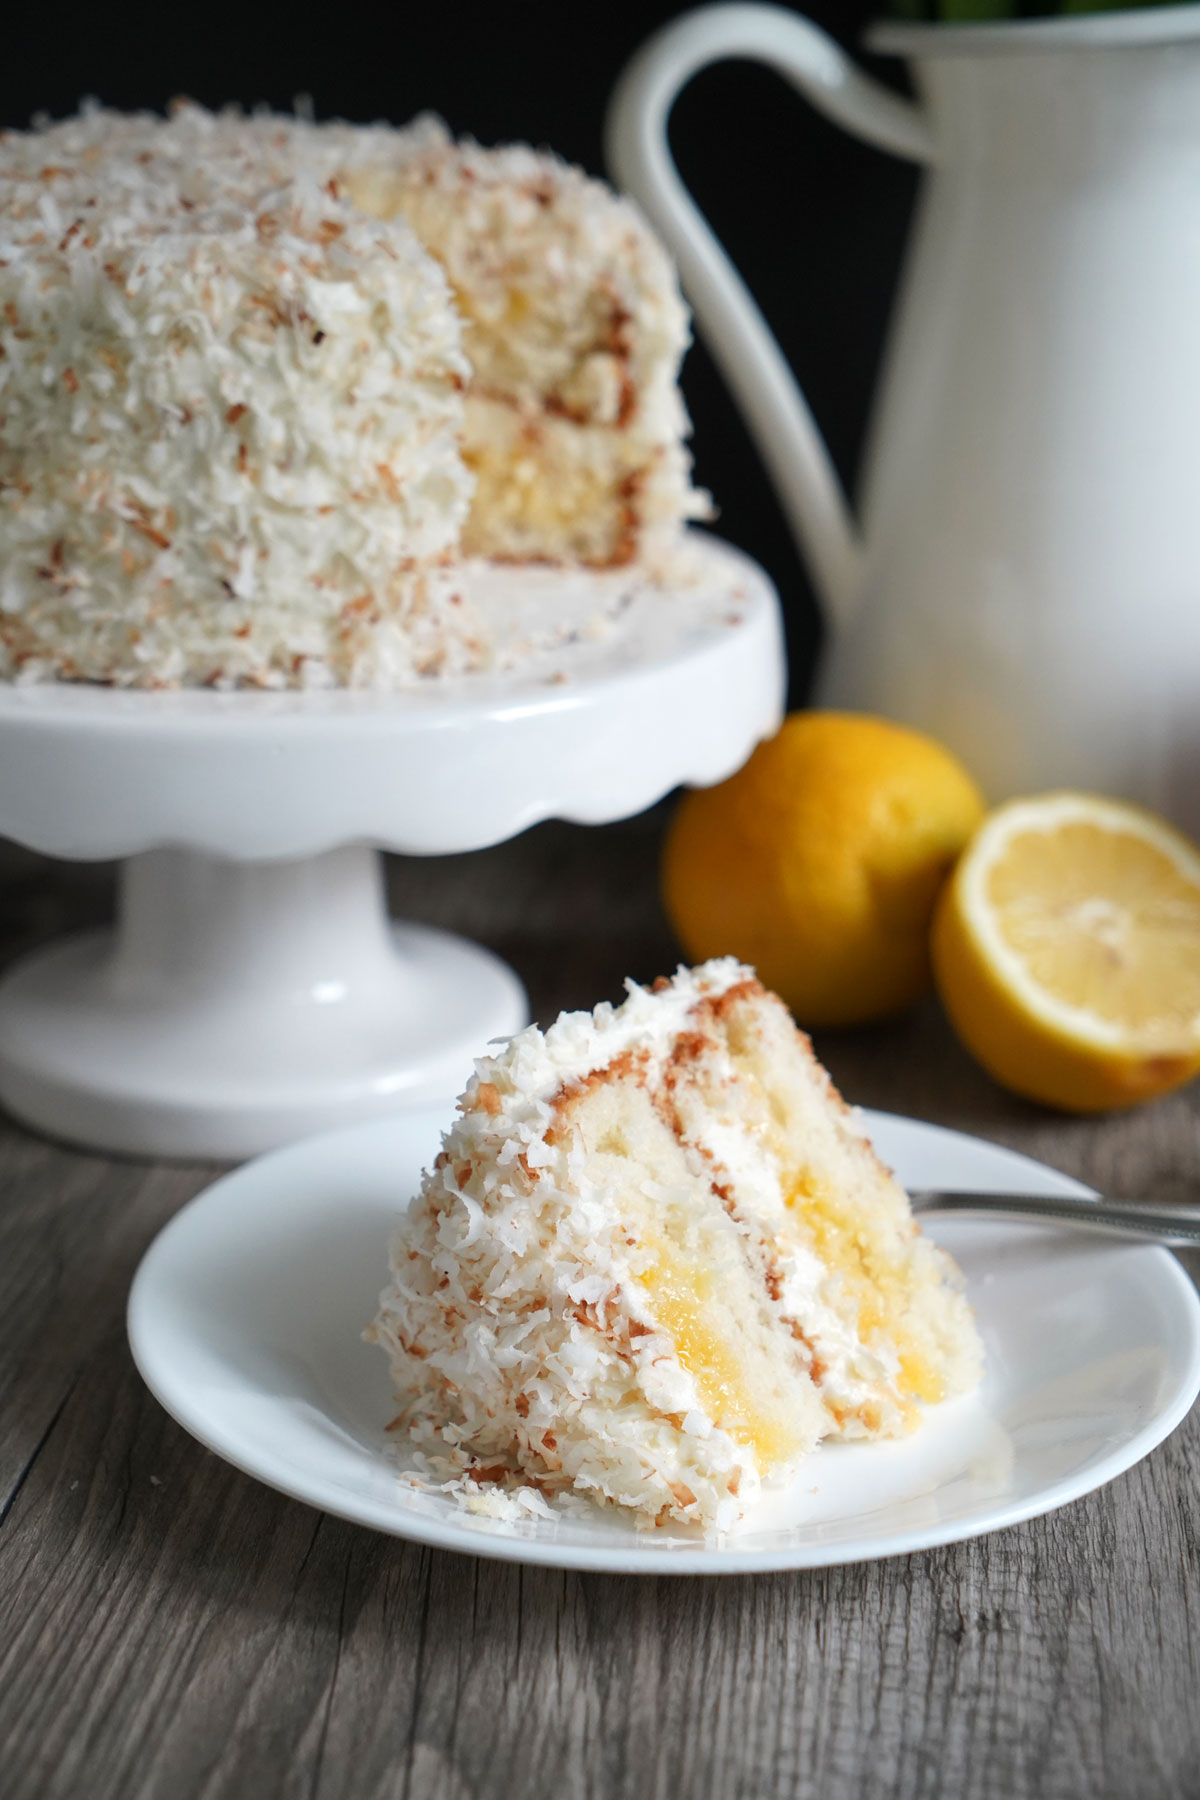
[1136, 29]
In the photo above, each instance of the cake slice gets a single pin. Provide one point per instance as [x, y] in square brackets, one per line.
[657, 1261]
[575, 329]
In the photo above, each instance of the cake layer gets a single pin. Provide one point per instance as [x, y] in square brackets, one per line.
[657, 1262]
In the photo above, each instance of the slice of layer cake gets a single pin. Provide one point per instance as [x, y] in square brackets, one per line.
[657, 1261]
[575, 329]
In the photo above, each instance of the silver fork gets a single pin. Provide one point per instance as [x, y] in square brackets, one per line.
[1176, 1225]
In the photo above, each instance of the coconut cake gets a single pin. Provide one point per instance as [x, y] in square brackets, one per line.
[657, 1262]
[267, 386]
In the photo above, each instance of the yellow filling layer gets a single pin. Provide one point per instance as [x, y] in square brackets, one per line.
[683, 1294]
[880, 1291]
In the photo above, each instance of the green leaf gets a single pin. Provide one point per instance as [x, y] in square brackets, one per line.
[969, 12]
[1091, 6]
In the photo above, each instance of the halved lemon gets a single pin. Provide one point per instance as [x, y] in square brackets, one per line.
[1066, 949]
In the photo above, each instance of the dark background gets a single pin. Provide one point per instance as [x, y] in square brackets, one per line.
[814, 219]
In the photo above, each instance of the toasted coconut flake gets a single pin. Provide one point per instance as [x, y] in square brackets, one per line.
[234, 344]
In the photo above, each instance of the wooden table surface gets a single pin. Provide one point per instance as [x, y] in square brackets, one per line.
[170, 1628]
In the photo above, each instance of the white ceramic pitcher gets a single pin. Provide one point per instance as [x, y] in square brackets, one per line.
[1024, 578]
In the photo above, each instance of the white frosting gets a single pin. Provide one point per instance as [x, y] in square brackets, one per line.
[235, 404]
[538, 1063]
[231, 408]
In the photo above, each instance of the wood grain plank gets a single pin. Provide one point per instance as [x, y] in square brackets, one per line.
[72, 1229]
[173, 1629]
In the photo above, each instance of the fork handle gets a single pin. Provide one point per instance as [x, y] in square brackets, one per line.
[1178, 1226]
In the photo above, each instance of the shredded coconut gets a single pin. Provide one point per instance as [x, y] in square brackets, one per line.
[243, 438]
[656, 1262]
[231, 405]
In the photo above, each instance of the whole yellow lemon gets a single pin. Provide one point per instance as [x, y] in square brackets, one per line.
[820, 863]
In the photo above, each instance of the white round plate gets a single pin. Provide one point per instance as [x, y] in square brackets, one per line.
[245, 1320]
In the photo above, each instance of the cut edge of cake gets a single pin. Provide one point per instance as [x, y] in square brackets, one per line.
[575, 328]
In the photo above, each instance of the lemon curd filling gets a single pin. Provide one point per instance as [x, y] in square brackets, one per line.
[512, 460]
[733, 1380]
[871, 1278]
[879, 1290]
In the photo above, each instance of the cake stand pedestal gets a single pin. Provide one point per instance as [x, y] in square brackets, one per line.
[254, 989]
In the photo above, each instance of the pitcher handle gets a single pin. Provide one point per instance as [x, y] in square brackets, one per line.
[741, 343]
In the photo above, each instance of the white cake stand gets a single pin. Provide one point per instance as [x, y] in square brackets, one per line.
[254, 989]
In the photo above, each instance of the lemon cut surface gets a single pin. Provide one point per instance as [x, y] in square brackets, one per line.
[1067, 951]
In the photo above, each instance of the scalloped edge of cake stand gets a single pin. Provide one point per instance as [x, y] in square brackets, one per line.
[254, 990]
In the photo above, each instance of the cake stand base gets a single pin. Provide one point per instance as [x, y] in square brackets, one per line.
[239, 1005]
